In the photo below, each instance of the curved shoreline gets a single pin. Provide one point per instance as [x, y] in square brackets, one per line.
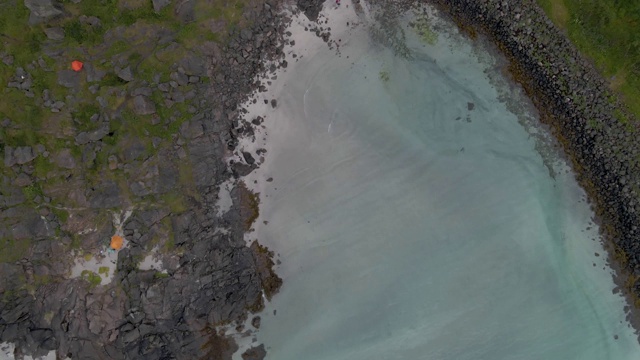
[586, 118]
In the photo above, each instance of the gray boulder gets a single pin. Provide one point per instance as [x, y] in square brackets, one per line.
[82, 138]
[93, 74]
[146, 91]
[65, 159]
[193, 65]
[105, 195]
[68, 78]
[9, 159]
[160, 4]
[22, 180]
[23, 154]
[125, 74]
[42, 10]
[98, 134]
[248, 158]
[90, 20]
[180, 78]
[54, 33]
[143, 106]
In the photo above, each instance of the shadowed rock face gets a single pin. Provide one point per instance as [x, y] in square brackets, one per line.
[311, 8]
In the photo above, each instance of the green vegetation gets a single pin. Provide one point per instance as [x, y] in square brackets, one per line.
[93, 278]
[160, 275]
[62, 215]
[423, 28]
[384, 75]
[169, 244]
[32, 191]
[12, 250]
[75, 242]
[607, 31]
[175, 202]
[35, 122]
[103, 270]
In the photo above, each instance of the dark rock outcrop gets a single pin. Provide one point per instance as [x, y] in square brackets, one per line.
[311, 8]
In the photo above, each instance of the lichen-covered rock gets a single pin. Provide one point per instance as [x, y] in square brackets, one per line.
[65, 159]
[54, 33]
[42, 10]
[158, 5]
[69, 78]
[23, 155]
[125, 73]
[142, 105]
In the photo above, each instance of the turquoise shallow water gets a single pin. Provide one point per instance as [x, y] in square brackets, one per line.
[412, 225]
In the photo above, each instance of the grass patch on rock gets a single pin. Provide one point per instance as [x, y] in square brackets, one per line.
[93, 278]
[12, 250]
[175, 201]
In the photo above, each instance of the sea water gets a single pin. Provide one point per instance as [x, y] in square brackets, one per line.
[417, 215]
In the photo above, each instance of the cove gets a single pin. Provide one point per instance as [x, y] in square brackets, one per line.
[418, 213]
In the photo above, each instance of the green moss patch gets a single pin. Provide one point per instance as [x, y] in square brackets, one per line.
[93, 278]
[12, 250]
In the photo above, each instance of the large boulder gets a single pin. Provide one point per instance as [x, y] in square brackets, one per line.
[105, 195]
[65, 159]
[42, 10]
[194, 65]
[93, 74]
[54, 33]
[9, 159]
[158, 5]
[69, 78]
[125, 74]
[143, 106]
[23, 154]
[311, 8]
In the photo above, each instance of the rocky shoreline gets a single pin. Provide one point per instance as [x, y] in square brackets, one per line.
[169, 187]
[211, 277]
[596, 132]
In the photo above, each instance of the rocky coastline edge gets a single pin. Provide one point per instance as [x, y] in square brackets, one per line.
[596, 132]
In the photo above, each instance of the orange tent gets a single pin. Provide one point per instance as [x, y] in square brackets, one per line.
[116, 242]
[76, 65]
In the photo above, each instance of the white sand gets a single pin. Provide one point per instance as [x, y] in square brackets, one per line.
[152, 261]
[224, 197]
[7, 349]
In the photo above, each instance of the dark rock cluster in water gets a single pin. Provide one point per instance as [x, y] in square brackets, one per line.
[311, 8]
[597, 133]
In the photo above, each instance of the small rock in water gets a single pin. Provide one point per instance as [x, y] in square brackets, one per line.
[255, 322]
[248, 158]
